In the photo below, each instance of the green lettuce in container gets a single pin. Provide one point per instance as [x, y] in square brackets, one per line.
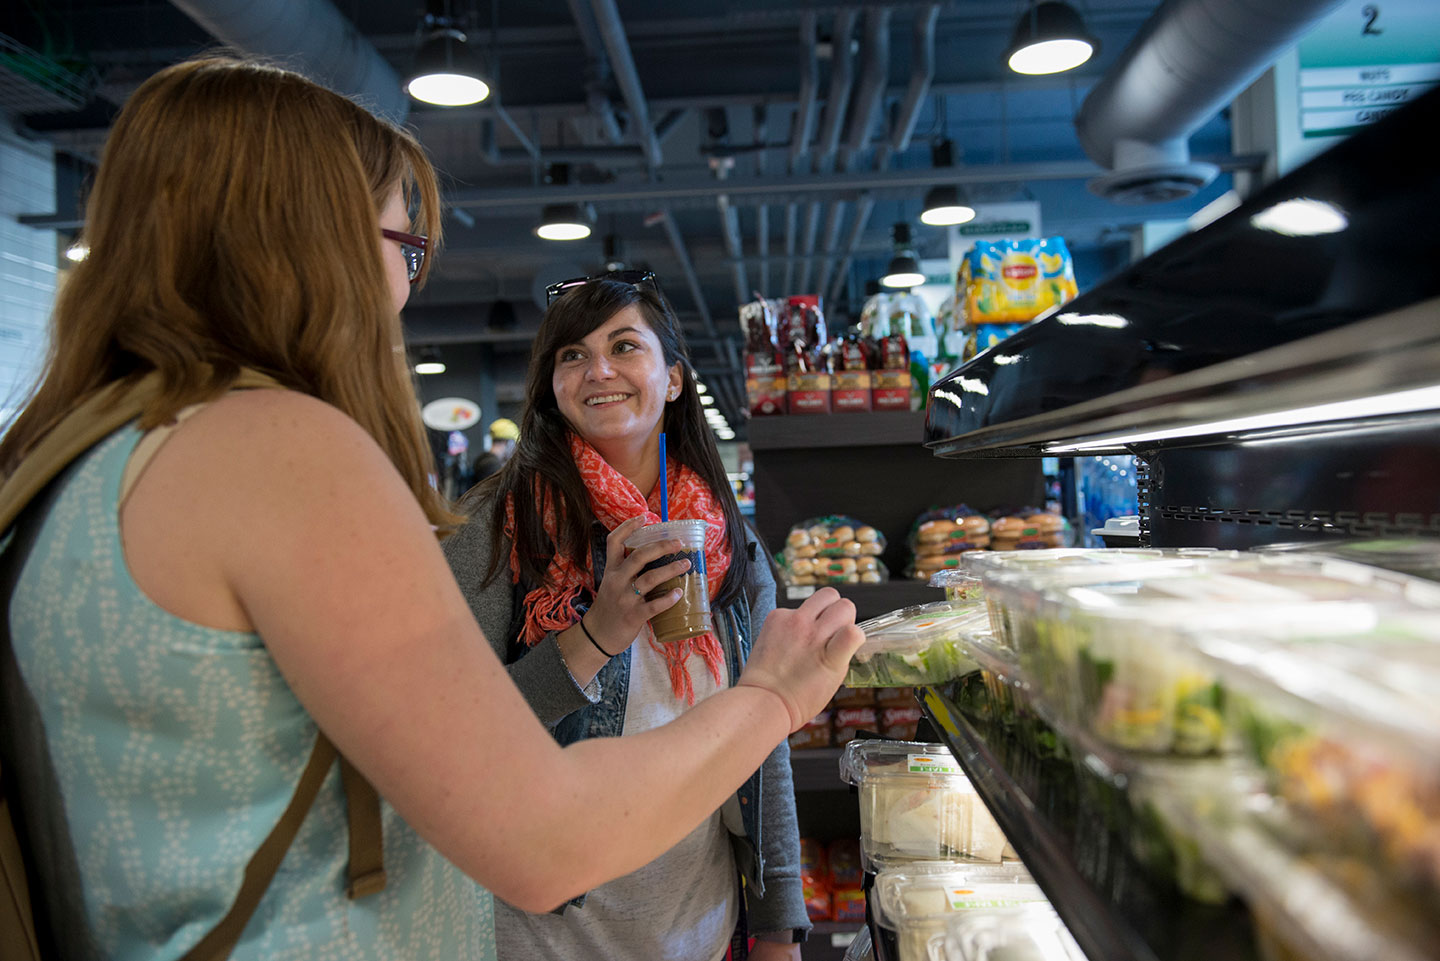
[915, 645]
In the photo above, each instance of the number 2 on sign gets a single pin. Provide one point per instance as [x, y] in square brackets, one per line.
[1371, 13]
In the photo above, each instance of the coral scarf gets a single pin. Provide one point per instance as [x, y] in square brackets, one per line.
[567, 590]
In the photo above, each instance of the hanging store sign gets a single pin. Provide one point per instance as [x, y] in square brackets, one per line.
[1364, 61]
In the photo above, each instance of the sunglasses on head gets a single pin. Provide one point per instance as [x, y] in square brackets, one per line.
[632, 277]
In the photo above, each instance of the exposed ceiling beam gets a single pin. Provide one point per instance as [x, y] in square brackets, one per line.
[775, 189]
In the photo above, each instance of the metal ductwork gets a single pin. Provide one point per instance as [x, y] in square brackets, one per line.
[310, 36]
[1187, 62]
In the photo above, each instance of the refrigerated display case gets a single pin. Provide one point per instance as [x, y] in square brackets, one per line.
[1276, 378]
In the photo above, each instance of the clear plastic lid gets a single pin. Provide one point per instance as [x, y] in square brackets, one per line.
[870, 760]
[958, 584]
[1419, 556]
[914, 629]
[1029, 932]
[932, 890]
[979, 563]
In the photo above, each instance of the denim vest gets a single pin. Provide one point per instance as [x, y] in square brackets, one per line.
[606, 717]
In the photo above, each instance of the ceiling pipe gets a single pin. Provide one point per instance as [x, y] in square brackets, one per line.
[1187, 61]
[612, 32]
[310, 36]
[776, 189]
[922, 74]
[687, 268]
[597, 71]
[730, 230]
[836, 101]
[875, 72]
[760, 126]
[801, 131]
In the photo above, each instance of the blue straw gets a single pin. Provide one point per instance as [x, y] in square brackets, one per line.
[664, 494]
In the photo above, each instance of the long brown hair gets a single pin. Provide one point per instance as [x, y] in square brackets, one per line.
[234, 222]
[543, 449]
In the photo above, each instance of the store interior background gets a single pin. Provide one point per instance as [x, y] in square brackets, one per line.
[681, 124]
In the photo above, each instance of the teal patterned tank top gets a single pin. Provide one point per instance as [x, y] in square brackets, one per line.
[175, 748]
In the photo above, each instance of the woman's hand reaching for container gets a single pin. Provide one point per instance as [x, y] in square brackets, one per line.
[802, 653]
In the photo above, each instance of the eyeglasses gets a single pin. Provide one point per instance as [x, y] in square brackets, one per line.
[632, 277]
[412, 246]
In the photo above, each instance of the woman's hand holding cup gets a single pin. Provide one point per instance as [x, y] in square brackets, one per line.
[620, 609]
[802, 653]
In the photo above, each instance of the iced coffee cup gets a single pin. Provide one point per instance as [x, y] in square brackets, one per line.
[690, 617]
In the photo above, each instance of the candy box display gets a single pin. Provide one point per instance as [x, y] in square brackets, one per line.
[833, 550]
[764, 363]
[915, 645]
[1027, 932]
[917, 901]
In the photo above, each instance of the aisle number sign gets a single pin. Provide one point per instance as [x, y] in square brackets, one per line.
[1366, 60]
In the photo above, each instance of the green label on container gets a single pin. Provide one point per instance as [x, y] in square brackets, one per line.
[931, 764]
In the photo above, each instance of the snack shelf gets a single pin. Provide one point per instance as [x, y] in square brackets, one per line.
[1114, 909]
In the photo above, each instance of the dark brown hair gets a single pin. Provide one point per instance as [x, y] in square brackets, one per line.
[234, 223]
[543, 449]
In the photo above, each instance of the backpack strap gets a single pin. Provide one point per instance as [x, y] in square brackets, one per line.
[17, 920]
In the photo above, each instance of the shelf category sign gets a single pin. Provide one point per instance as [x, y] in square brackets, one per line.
[1366, 60]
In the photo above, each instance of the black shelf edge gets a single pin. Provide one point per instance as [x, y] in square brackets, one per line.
[1396, 351]
[1101, 934]
[800, 431]
[872, 600]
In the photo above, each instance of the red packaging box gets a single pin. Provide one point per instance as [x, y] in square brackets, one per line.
[809, 392]
[851, 391]
[764, 384]
[891, 390]
[848, 905]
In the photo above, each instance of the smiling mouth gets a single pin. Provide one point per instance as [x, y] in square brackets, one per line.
[605, 399]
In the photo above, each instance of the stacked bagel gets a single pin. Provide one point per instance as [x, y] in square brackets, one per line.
[839, 553]
[939, 543]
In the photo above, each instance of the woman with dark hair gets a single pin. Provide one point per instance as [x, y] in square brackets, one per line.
[225, 562]
[544, 567]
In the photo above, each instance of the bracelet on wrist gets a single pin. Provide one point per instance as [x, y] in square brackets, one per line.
[591, 638]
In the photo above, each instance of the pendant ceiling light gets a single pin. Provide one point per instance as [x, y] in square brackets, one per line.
[429, 362]
[565, 222]
[448, 70]
[1050, 37]
[903, 271]
[945, 204]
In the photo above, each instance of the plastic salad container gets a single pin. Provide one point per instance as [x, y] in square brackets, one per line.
[917, 900]
[1110, 649]
[959, 585]
[1418, 556]
[1028, 932]
[916, 803]
[915, 645]
[1347, 734]
[1318, 905]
